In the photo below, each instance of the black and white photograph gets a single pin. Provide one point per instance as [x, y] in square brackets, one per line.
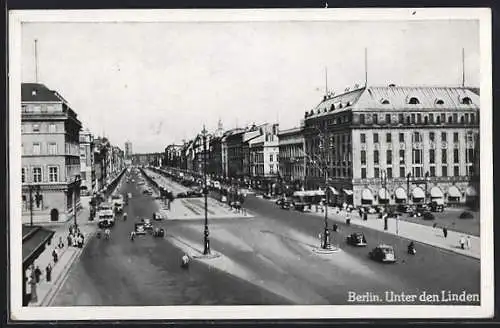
[218, 164]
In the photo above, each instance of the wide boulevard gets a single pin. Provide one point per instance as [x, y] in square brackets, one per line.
[268, 257]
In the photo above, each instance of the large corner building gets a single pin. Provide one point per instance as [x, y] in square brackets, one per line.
[392, 144]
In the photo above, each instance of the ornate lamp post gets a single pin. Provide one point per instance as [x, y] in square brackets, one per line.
[206, 248]
[37, 195]
[77, 184]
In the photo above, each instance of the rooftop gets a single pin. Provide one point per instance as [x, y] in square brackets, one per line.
[38, 92]
[394, 97]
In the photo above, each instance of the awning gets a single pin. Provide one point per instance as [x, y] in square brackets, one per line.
[348, 192]
[383, 194]
[400, 193]
[367, 194]
[471, 192]
[333, 190]
[436, 192]
[453, 192]
[34, 241]
[417, 192]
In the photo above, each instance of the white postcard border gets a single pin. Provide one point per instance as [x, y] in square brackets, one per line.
[250, 312]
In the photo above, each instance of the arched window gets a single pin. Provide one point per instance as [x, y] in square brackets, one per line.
[385, 102]
[439, 102]
[414, 101]
[466, 101]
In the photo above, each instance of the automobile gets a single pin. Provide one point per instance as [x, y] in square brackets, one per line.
[383, 253]
[139, 228]
[147, 192]
[416, 212]
[181, 195]
[402, 208]
[371, 210]
[436, 206]
[286, 205]
[280, 201]
[118, 207]
[427, 215]
[157, 216]
[356, 239]
[266, 196]
[148, 225]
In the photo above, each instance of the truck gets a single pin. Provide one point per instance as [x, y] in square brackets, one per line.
[106, 215]
[118, 203]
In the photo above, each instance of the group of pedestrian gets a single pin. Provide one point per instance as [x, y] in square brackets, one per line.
[75, 237]
[465, 242]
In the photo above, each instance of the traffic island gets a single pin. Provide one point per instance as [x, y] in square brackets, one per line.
[212, 255]
[329, 250]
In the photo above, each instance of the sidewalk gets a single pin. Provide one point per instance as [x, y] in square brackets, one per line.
[193, 208]
[413, 231]
[66, 257]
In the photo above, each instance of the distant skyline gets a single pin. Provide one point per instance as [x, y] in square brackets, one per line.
[154, 84]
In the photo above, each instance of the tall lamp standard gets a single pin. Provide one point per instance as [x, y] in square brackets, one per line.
[77, 184]
[37, 195]
[326, 233]
[206, 249]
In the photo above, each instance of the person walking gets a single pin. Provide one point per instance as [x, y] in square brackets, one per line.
[69, 240]
[48, 273]
[60, 244]
[462, 242]
[55, 256]
[445, 232]
[38, 273]
[365, 216]
[468, 242]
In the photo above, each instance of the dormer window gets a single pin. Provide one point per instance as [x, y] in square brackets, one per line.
[414, 101]
[324, 110]
[33, 93]
[332, 107]
[385, 102]
[319, 110]
[439, 102]
[340, 105]
[466, 101]
[311, 113]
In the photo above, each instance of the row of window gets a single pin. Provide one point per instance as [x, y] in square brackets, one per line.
[40, 108]
[417, 172]
[419, 118]
[37, 127]
[52, 149]
[36, 174]
[417, 156]
[417, 137]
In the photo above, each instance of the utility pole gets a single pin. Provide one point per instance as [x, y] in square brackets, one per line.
[206, 249]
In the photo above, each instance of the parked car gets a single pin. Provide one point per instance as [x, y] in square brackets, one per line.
[157, 216]
[286, 205]
[139, 228]
[436, 206]
[356, 239]
[383, 253]
[148, 225]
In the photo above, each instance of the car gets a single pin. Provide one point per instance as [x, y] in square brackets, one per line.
[139, 228]
[383, 253]
[181, 195]
[157, 216]
[356, 239]
[280, 201]
[148, 225]
[286, 205]
[147, 192]
[436, 206]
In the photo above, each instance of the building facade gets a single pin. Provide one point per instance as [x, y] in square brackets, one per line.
[292, 159]
[388, 145]
[128, 150]
[50, 153]
[264, 155]
[87, 167]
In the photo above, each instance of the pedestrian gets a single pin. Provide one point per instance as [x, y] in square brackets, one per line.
[55, 256]
[468, 242]
[83, 238]
[462, 242]
[335, 228]
[365, 216]
[69, 240]
[48, 273]
[445, 232]
[434, 225]
[60, 244]
[38, 273]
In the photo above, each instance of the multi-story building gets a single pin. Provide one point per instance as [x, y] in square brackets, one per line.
[232, 152]
[128, 150]
[292, 159]
[395, 144]
[87, 167]
[215, 152]
[264, 155]
[50, 153]
[172, 157]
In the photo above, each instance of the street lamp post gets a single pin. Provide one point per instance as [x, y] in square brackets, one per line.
[426, 182]
[206, 249]
[77, 183]
[408, 186]
[31, 188]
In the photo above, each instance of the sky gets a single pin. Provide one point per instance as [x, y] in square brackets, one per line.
[158, 83]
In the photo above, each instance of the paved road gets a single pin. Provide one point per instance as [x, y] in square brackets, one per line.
[268, 255]
[147, 272]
